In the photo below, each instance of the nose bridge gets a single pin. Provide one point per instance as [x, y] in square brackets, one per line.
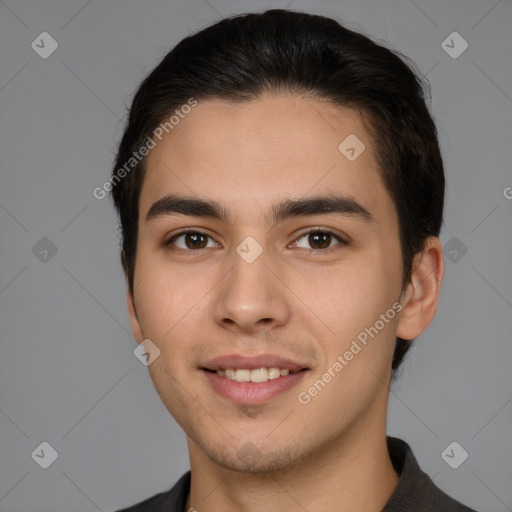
[250, 299]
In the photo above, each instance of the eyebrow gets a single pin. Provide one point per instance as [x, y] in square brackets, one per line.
[288, 208]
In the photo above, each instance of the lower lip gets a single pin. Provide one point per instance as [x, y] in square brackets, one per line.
[253, 393]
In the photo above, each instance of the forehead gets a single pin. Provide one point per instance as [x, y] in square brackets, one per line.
[258, 152]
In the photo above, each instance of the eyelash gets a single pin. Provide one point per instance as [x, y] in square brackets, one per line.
[341, 241]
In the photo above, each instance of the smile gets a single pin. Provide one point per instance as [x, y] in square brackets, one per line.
[256, 375]
[253, 387]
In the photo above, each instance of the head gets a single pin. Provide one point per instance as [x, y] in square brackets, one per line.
[249, 113]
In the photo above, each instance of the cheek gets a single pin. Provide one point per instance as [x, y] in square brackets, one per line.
[362, 287]
[352, 301]
[168, 309]
[166, 298]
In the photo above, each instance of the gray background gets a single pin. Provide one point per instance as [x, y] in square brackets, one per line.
[68, 375]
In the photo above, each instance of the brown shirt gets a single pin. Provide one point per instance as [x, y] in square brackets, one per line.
[415, 491]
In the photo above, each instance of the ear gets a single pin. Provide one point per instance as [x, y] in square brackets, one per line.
[422, 293]
[132, 313]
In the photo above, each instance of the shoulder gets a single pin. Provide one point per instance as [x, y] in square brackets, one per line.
[173, 500]
[415, 490]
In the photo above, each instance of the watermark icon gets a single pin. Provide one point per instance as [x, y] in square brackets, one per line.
[454, 45]
[455, 249]
[44, 45]
[507, 192]
[249, 453]
[304, 397]
[454, 455]
[45, 455]
[148, 144]
[146, 352]
[44, 249]
[351, 147]
[249, 249]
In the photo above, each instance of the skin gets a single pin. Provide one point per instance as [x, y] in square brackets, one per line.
[294, 300]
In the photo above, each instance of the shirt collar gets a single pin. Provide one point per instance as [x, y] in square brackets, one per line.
[415, 490]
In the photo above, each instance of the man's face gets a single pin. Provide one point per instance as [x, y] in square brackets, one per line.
[249, 286]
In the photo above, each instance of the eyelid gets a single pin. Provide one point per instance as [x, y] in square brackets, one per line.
[342, 239]
[320, 229]
[168, 240]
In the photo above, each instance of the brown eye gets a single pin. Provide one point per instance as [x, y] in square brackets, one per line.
[195, 240]
[191, 240]
[318, 240]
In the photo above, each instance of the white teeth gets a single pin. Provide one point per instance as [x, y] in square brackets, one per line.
[257, 375]
[273, 373]
[243, 375]
[230, 374]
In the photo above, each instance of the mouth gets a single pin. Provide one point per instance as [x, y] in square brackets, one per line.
[252, 379]
[255, 375]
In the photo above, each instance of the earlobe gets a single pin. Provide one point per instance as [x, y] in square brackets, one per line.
[422, 294]
[132, 313]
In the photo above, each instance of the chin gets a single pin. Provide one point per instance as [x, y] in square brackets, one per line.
[250, 459]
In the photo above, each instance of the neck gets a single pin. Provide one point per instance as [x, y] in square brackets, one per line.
[352, 472]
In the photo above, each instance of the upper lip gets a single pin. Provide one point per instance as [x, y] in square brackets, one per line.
[236, 361]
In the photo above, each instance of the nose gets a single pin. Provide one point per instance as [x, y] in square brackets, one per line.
[251, 298]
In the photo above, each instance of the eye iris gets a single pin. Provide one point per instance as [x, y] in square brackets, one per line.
[195, 240]
[320, 239]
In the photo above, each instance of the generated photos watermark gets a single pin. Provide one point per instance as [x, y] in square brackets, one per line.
[150, 143]
[304, 397]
